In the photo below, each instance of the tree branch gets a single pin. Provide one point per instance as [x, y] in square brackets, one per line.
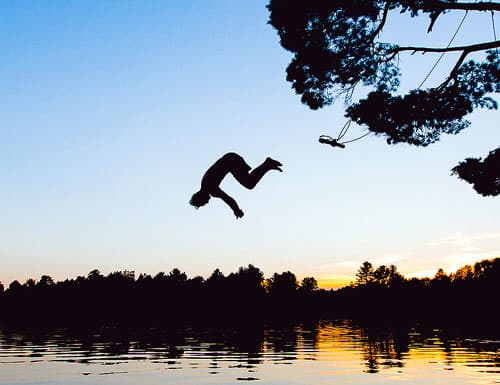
[480, 6]
[434, 17]
[384, 18]
[469, 48]
[454, 70]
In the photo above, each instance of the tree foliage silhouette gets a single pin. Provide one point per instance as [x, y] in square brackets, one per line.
[246, 297]
[336, 48]
[308, 284]
[365, 274]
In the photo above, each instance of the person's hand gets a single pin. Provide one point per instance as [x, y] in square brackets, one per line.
[238, 213]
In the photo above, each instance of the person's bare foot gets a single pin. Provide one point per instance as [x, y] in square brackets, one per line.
[274, 164]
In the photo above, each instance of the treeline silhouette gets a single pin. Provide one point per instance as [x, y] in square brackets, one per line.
[382, 294]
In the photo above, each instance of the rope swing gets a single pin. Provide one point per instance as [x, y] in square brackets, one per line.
[326, 139]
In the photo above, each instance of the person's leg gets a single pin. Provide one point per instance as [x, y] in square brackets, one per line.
[250, 179]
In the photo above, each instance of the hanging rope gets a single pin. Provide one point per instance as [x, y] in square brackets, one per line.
[443, 53]
[344, 130]
[358, 138]
[493, 26]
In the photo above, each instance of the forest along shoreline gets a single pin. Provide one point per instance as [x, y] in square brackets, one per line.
[462, 301]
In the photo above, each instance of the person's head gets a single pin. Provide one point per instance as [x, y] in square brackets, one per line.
[199, 199]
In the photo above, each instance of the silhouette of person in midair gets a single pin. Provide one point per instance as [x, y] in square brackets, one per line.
[236, 165]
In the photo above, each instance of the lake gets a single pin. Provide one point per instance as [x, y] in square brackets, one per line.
[323, 353]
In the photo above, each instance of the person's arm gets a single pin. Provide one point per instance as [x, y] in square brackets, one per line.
[218, 193]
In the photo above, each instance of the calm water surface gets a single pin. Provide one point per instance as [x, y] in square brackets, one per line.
[320, 354]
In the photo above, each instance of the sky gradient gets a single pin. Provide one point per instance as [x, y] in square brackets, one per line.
[110, 113]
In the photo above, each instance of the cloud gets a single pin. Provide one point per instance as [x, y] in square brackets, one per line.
[449, 253]
[390, 259]
[467, 242]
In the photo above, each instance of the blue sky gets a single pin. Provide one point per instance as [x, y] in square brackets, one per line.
[110, 112]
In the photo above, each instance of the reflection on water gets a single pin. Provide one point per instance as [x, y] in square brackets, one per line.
[319, 354]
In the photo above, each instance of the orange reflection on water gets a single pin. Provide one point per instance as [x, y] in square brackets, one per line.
[318, 354]
[410, 358]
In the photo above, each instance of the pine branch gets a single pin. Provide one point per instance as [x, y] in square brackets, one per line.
[454, 71]
[384, 18]
[468, 48]
[480, 6]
